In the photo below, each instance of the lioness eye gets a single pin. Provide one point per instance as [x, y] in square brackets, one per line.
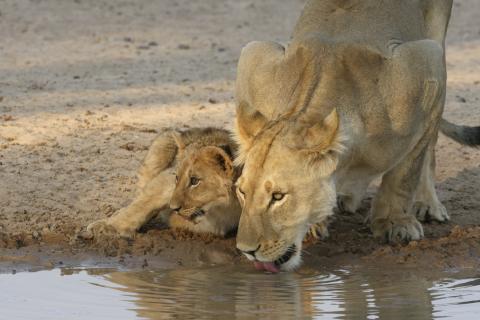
[176, 179]
[194, 181]
[277, 196]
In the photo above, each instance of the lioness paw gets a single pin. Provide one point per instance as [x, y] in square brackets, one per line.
[397, 229]
[425, 212]
[319, 230]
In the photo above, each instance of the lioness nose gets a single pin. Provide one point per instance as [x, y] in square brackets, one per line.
[250, 252]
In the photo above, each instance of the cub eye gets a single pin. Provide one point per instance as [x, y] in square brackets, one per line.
[194, 181]
[176, 179]
[241, 191]
[277, 196]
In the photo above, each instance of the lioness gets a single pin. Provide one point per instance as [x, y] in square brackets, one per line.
[359, 93]
[187, 176]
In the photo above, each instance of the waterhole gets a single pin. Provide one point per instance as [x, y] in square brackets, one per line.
[237, 293]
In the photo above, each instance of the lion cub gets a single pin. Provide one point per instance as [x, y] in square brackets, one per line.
[189, 178]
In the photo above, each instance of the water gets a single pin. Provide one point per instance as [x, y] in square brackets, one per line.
[236, 293]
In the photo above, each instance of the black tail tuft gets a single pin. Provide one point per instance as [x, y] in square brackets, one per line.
[469, 136]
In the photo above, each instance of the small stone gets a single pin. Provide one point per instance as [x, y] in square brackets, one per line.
[461, 99]
[6, 117]
[131, 146]
[212, 101]
[84, 235]
[35, 235]
[183, 46]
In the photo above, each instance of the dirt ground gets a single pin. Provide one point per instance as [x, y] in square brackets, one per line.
[86, 84]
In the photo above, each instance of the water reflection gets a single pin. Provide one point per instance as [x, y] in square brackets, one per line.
[242, 294]
[237, 293]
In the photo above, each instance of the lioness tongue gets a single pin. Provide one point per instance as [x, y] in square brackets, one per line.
[258, 265]
[267, 266]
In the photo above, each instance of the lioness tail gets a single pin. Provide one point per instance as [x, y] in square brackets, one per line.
[469, 136]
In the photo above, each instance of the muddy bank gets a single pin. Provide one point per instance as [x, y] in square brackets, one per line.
[82, 97]
[351, 244]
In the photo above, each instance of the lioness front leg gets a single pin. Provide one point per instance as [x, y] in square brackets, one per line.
[426, 205]
[392, 208]
[155, 195]
[391, 217]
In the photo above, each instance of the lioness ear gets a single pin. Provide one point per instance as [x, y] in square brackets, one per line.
[321, 143]
[248, 124]
[272, 82]
[177, 137]
[321, 135]
[256, 90]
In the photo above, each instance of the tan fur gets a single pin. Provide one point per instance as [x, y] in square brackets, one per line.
[202, 153]
[357, 94]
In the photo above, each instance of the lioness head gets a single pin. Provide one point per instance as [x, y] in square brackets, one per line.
[204, 193]
[289, 135]
[285, 187]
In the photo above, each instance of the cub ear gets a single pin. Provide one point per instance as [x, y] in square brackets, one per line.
[218, 157]
[228, 150]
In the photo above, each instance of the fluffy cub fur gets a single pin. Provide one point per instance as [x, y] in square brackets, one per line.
[186, 176]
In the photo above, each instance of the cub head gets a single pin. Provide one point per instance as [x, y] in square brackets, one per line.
[204, 181]
[286, 186]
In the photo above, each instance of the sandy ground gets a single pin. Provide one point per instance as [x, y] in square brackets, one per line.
[85, 85]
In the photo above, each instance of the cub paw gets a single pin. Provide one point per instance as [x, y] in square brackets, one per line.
[426, 212]
[396, 229]
[107, 228]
